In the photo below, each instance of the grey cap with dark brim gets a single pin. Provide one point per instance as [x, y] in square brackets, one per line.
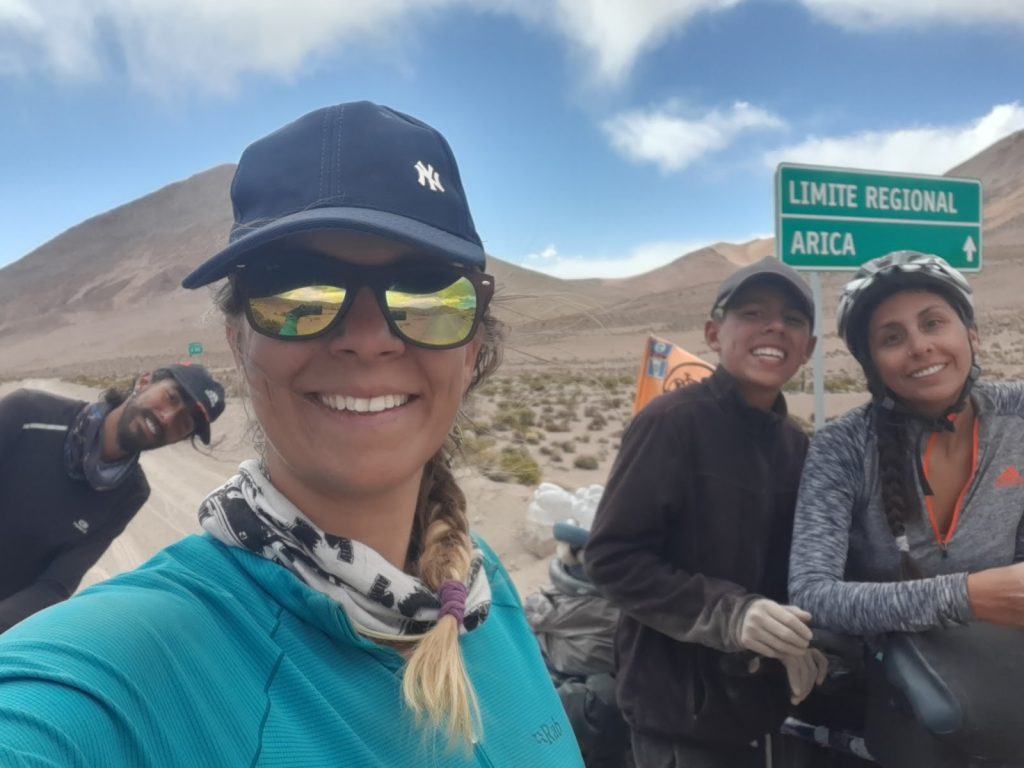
[768, 269]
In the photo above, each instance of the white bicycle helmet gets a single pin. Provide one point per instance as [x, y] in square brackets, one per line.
[885, 275]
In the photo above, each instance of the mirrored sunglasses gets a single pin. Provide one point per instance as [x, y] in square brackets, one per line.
[430, 306]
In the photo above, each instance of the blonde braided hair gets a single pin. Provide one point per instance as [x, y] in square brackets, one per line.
[436, 685]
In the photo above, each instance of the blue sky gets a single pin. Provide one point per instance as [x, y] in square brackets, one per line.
[595, 137]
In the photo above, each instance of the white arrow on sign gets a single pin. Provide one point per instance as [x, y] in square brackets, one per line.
[970, 249]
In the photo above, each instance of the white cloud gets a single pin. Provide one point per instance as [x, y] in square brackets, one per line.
[549, 253]
[60, 39]
[642, 258]
[672, 142]
[614, 33]
[863, 14]
[169, 43]
[927, 149]
[207, 44]
[210, 44]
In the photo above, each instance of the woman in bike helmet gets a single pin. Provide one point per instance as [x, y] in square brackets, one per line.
[910, 507]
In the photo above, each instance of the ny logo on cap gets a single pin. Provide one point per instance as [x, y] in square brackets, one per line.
[212, 397]
[428, 176]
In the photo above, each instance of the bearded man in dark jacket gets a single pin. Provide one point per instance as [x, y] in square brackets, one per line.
[70, 479]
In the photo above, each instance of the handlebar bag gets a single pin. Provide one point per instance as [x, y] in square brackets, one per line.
[964, 684]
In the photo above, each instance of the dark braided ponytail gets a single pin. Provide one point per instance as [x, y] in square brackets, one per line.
[896, 477]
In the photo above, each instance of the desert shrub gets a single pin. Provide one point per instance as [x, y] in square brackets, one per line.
[515, 464]
[476, 427]
[476, 449]
[535, 383]
[490, 389]
[615, 381]
[122, 383]
[516, 417]
[585, 461]
[844, 382]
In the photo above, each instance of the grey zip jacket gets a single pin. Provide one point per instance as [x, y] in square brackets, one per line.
[844, 563]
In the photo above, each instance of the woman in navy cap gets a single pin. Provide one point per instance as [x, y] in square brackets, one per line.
[338, 611]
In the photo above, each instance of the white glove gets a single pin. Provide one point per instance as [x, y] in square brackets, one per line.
[773, 630]
[804, 672]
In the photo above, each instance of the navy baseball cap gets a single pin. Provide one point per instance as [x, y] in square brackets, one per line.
[205, 392]
[359, 167]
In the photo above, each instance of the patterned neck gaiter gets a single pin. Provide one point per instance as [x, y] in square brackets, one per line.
[381, 601]
[83, 447]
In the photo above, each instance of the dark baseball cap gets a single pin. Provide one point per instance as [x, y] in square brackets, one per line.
[205, 392]
[768, 269]
[358, 167]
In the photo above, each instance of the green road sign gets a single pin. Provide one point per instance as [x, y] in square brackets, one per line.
[195, 349]
[838, 218]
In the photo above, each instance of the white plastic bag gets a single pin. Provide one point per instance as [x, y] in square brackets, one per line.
[553, 504]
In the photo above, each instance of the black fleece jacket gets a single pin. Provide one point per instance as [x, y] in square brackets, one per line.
[695, 523]
[54, 527]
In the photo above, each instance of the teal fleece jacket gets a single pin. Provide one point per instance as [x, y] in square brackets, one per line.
[211, 656]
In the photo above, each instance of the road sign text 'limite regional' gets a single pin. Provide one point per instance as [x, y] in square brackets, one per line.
[838, 218]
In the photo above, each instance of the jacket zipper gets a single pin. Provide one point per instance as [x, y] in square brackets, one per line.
[943, 541]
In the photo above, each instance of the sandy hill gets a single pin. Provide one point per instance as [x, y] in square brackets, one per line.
[104, 296]
[1001, 170]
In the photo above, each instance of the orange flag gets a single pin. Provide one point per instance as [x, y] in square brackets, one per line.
[666, 367]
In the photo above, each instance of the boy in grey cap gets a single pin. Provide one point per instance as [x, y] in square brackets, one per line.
[692, 535]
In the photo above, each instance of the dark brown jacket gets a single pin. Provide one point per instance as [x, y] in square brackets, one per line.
[695, 523]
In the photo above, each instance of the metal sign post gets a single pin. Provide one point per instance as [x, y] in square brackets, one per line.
[819, 354]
